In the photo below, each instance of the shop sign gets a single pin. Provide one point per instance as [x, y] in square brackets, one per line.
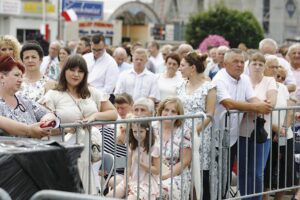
[32, 7]
[91, 10]
[10, 6]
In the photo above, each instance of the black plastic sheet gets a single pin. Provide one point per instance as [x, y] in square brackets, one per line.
[27, 166]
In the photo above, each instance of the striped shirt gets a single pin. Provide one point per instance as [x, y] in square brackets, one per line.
[109, 145]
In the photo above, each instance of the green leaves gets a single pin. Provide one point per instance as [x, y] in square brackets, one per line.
[235, 26]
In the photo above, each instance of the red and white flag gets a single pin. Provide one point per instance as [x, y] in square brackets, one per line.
[69, 15]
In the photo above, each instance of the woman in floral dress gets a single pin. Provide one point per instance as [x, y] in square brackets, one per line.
[34, 85]
[176, 150]
[198, 95]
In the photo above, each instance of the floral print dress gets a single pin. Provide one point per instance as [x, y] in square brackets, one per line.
[195, 103]
[171, 153]
[34, 91]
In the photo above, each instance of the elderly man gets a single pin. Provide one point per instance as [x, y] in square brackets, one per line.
[294, 57]
[183, 49]
[50, 63]
[120, 57]
[138, 82]
[103, 69]
[234, 91]
[269, 46]
[220, 61]
[156, 56]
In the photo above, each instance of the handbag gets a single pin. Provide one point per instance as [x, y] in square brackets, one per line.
[261, 133]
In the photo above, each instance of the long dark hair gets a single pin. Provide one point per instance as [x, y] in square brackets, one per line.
[72, 62]
[133, 143]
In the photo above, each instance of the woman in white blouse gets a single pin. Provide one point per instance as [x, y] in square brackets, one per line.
[168, 81]
[252, 155]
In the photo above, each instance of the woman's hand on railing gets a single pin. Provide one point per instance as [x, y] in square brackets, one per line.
[89, 119]
[35, 131]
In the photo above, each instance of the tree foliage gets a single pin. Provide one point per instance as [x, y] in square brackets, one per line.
[235, 26]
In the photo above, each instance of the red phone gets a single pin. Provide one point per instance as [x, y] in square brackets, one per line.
[50, 124]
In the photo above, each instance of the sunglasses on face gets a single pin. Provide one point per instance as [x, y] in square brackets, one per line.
[279, 77]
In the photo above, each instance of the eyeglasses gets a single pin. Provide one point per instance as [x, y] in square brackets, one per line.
[19, 105]
[279, 77]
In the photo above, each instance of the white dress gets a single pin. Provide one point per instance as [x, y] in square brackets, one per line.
[68, 112]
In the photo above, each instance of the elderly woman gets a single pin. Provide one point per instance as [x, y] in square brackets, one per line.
[11, 127]
[73, 100]
[168, 81]
[176, 150]
[255, 153]
[10, 46]
[16, 106]
[34, 84]
[281, 129]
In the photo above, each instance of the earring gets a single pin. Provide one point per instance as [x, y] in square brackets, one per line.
[2, 83]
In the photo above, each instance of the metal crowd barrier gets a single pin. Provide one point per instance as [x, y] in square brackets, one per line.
[262, 169]
[218, 171]
[184, 176]
[60, 195]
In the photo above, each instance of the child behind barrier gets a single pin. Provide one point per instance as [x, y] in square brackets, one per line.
[142, 145]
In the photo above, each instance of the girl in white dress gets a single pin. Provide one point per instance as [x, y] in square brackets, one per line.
[142, 145]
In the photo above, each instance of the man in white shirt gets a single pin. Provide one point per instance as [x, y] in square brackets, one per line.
[50, 63]
[103, 69]
[138, 82]
[235, 92]
[156, 56]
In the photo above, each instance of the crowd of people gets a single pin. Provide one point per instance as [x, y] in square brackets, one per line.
[90, 81]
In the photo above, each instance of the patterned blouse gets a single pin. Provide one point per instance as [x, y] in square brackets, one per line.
[34, 91]
[196, 103]
[26, 111]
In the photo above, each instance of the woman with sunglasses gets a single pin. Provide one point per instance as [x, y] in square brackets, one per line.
[281, 130]
[16, 106]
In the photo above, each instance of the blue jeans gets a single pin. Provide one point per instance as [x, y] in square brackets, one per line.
[262, 154]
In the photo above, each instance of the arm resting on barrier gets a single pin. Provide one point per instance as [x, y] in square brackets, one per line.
[254, 105]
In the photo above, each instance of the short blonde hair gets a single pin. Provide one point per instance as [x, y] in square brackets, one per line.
[141, 51]
[14, 43]
[179, 108]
